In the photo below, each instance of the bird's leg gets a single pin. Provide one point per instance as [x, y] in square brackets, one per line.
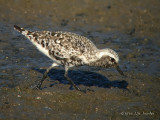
[38, 86]
[71, 82]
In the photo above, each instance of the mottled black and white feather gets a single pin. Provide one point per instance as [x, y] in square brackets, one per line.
[70, 49]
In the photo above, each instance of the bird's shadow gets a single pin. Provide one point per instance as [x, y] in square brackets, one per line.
[85, 78]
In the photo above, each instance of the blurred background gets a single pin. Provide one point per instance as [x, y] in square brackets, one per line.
[130, 27]
[105, 15]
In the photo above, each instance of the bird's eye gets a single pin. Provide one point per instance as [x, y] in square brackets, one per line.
[112, 60]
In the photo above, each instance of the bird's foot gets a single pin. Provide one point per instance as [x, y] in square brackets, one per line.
[86, 90]
[36, 87]
[90, 90]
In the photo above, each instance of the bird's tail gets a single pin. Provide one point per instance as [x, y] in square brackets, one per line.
[19, 29]
[22, 30]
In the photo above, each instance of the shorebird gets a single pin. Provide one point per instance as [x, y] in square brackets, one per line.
[70, 50]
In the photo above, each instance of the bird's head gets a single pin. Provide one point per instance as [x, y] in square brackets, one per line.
[109, 58]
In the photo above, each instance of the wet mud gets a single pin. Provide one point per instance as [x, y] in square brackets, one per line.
[129, 27]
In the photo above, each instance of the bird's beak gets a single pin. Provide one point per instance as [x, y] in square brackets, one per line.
[119, 70]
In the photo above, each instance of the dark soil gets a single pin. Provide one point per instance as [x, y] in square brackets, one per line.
[132, 28]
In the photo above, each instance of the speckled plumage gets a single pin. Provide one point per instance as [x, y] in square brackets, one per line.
[69, 49]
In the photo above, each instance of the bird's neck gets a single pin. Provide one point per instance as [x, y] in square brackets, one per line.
[101, 62]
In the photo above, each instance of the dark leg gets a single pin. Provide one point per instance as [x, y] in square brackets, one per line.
[71, 82]
[38, 86]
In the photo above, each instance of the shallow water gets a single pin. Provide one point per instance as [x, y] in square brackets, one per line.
[129, 27]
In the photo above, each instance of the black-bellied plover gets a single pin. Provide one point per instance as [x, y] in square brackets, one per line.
[70, 50]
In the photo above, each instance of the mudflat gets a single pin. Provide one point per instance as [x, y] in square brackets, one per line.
[130, 27]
